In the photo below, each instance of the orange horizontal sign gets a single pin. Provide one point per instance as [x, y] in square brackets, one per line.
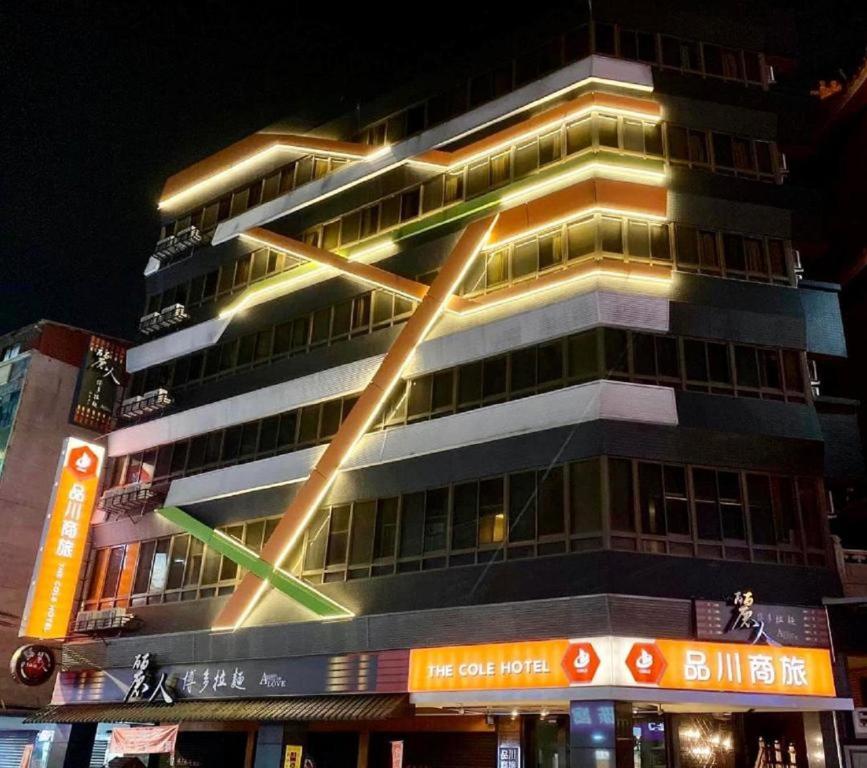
[534, 664]
[668, 664]
[64, 538]
[746, 668]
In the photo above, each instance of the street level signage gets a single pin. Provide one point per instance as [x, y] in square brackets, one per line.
[621, 661]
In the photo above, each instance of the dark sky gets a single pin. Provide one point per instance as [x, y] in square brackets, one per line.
[102, 101]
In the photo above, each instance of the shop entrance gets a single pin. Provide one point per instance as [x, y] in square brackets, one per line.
[205, 749]
[718, 740]
[436, 750]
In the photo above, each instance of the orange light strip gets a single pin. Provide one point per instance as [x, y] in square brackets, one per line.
[245, 154]
[589, 196]
[260, 146]
[313, 490]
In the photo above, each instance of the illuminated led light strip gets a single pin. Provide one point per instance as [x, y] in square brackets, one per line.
[590, 109]
[381, 278]
[254, 159]
[356, 425]
[323, 606]
[367, 273]
[365, 151]
[612, 170]
[592, 80]
[573, 216]
[572, 274]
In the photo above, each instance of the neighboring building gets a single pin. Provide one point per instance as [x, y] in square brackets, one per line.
[47, 391]
[462, 420]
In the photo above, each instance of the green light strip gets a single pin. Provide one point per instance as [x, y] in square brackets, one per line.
[295, 589]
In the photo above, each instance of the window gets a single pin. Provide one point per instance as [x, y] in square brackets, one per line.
[706, 512]
[550, 502]
[606, 128]
[585, 497]
[338, 535]
[435, 519]
[620, 494]
[113, 571]
[464, 516]
[650, 499]
[412, 525]
[317, 538]
[363, 527]
[385, 533]
[761, 510]
[579, 136]
[582, 238]
[612, 235]
[491, 514]
[522, 506]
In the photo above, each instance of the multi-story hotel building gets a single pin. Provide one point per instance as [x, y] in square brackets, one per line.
[461, 426]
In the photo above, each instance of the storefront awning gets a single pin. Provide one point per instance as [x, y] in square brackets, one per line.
[298, 708]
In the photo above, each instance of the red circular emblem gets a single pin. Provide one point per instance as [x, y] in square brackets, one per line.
[32, 664]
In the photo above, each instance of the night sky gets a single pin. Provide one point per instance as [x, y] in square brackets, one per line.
[102, 101]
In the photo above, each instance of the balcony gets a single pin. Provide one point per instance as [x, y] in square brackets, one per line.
[166, 318]
[134, 497]
[171, 247]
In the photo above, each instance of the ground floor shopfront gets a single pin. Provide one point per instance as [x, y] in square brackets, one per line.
[553, 683]
[599, 702]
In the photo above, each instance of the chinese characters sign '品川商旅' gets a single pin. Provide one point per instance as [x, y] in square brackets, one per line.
[670, 664]
[64, 537]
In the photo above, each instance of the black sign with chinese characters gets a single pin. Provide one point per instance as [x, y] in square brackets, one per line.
[99, 383]
[743, 621]
[147, 684]
[382, 672]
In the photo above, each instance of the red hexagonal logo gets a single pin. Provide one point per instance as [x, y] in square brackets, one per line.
[580, 663]
[82, 461]
[646, 663]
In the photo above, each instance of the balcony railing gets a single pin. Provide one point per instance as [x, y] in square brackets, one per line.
[174, 245]
[166, 318]
[146, 404]
[134, 497]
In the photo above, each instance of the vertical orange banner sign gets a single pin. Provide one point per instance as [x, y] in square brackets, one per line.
[64, 537]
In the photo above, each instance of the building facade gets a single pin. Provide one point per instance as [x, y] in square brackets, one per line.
[48, 392]
[481, 428]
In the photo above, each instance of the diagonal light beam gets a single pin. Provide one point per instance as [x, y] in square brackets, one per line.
[252, 587]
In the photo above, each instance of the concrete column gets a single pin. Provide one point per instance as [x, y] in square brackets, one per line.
[510, 752]
[600, 734]
[72, 745]
[363, 748]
